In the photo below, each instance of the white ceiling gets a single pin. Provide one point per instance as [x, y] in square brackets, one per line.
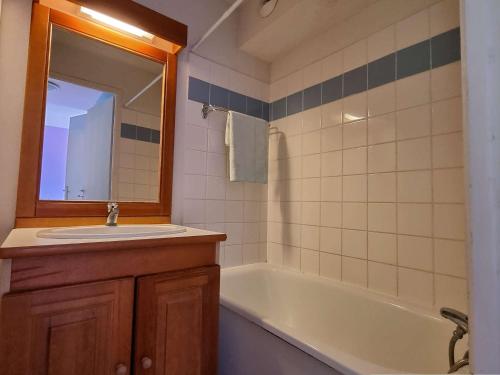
[73, 95]
[198, 15]
[291, 23]
[67, 101]
[63, 37]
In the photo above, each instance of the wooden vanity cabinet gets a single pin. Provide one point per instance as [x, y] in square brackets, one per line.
[176, 323]
[137, 321]
[77, 330]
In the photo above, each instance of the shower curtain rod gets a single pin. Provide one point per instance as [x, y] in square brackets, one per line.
[226, 14]
[146, 88]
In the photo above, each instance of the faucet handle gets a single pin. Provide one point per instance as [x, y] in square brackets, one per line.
[112, 206]
[457, 317]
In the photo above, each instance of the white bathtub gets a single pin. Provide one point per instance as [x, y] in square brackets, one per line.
[275, 321]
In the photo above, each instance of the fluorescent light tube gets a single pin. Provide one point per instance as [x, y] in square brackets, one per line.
[117, 24]
[350, 117]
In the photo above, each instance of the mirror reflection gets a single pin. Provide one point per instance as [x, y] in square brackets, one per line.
[102, 122]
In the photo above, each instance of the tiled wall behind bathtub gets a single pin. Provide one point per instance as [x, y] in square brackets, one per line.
[210, 200]
[139, 157]
[368, 187]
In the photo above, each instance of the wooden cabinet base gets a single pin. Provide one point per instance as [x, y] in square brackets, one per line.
[74, 314]
[176, 327]
[77, 330]
[30, 273]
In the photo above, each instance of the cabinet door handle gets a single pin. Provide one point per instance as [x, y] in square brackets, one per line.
[121, 369]
[146, 363]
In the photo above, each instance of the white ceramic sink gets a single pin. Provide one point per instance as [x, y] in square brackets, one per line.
[102, 231]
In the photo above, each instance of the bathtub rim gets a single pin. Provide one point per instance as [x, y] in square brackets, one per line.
[335, 358]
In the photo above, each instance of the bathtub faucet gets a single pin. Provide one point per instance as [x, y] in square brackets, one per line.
[113, 212]
[462, 322]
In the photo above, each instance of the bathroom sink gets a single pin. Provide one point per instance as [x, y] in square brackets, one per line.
[102, 231]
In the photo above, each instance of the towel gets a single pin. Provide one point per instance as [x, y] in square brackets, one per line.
[247, 139]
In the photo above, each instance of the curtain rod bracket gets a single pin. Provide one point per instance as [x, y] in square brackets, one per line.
[207, 108]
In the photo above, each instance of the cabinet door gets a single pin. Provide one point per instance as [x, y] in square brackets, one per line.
[77, 330]
[176, 323]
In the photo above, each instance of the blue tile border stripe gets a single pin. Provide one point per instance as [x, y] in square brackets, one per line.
[382, 71]
[331, 90]
[294, 103]
[413, 60]
[198, 90]
[445, 48]
[312, 95]
[431, 53]
[139, 133]
[355, 81]
[207, 93]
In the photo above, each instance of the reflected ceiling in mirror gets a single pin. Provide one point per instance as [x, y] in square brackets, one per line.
[103, 120]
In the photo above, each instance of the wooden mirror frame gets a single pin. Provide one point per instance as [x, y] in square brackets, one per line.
[30, 209]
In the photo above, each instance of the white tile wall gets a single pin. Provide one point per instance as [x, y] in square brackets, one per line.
[138, 178]
[370, 189]
[413, 29]
[211, 201]
[381, 43]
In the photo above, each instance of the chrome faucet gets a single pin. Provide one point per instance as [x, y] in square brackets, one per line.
[113, 212]
[462, 322]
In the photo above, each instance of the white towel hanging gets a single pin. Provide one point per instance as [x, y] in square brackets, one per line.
[247, 139]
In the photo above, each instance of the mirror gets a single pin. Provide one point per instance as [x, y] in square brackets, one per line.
[103, 121]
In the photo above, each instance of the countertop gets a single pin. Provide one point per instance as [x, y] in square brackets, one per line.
[23, 242]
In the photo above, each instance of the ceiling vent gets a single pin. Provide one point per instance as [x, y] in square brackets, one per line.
[52, 86]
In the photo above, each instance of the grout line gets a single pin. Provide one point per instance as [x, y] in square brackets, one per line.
[371, 231]
[370, 173]
[378, 202]
[453, 132]
[342, 239]
[366, 186]
[374, 261]
[398, 286]
[433, 240]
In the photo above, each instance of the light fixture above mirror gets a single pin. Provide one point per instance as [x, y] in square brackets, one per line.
[116, 24]
[127, 18]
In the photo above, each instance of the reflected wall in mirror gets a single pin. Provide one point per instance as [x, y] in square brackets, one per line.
[103, 120]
